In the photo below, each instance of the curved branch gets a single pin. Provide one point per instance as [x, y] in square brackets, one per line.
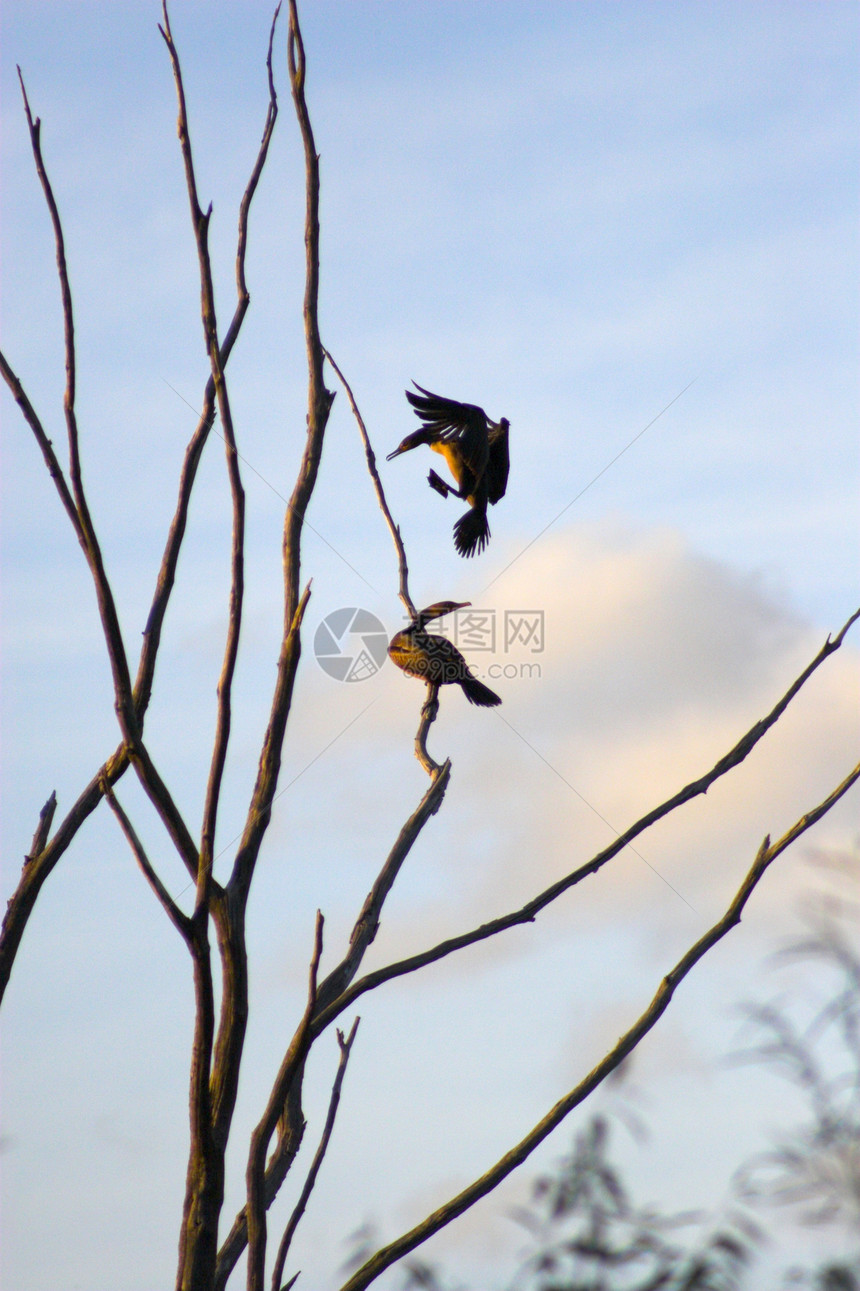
[429, 713]
[380, 493]
[767, 853]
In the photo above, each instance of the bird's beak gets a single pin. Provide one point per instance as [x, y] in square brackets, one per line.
[396, 453]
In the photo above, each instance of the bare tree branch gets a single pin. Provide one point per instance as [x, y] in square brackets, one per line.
[37, 868]
[255, 1207]
[767, 853]
[24, 899]
[287, 1089]
[180, 920]
[229, 912]
[43, 829]
[124, 704]
[380, 493]
[214, 1085]
[367, 924]
[299, 1209]
[200, 223]
[319, 405]
[528, 912]
[167, 573]
[84, 527]
[430, 708]
[429, 712]
[55, 470]
[21, 904]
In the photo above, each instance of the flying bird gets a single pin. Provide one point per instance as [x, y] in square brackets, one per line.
[476, 450]
[436, 659]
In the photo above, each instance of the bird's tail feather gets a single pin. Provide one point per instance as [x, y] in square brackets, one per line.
[471, 532]
[477, 693]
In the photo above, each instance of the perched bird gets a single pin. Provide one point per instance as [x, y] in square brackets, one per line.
[435, 659]
[476, 450]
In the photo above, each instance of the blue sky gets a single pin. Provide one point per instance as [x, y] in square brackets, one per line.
[568, 213]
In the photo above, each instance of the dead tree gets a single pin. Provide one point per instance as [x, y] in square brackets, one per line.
[212, 924]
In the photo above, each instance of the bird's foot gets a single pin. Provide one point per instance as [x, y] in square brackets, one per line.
[438, 484]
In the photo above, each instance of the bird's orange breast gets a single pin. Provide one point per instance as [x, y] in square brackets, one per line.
[452, 457]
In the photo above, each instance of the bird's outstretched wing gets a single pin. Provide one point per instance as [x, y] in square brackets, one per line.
[463, 424]
[498, 463]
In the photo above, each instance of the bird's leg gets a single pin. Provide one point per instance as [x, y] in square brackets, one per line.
[441, 487]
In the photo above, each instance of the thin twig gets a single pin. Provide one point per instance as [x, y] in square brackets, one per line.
[430, 707]
[35, 127]
[46, 447]
[229, 913]
[180, 920]
[247, 198]
[85, 529]
[214, 1084]
[43, 829]
[528, 912]
[394, 529]
[767, 853]
[299, 1208]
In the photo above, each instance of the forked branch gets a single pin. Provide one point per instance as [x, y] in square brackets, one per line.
[767, 854]
[42, 864]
